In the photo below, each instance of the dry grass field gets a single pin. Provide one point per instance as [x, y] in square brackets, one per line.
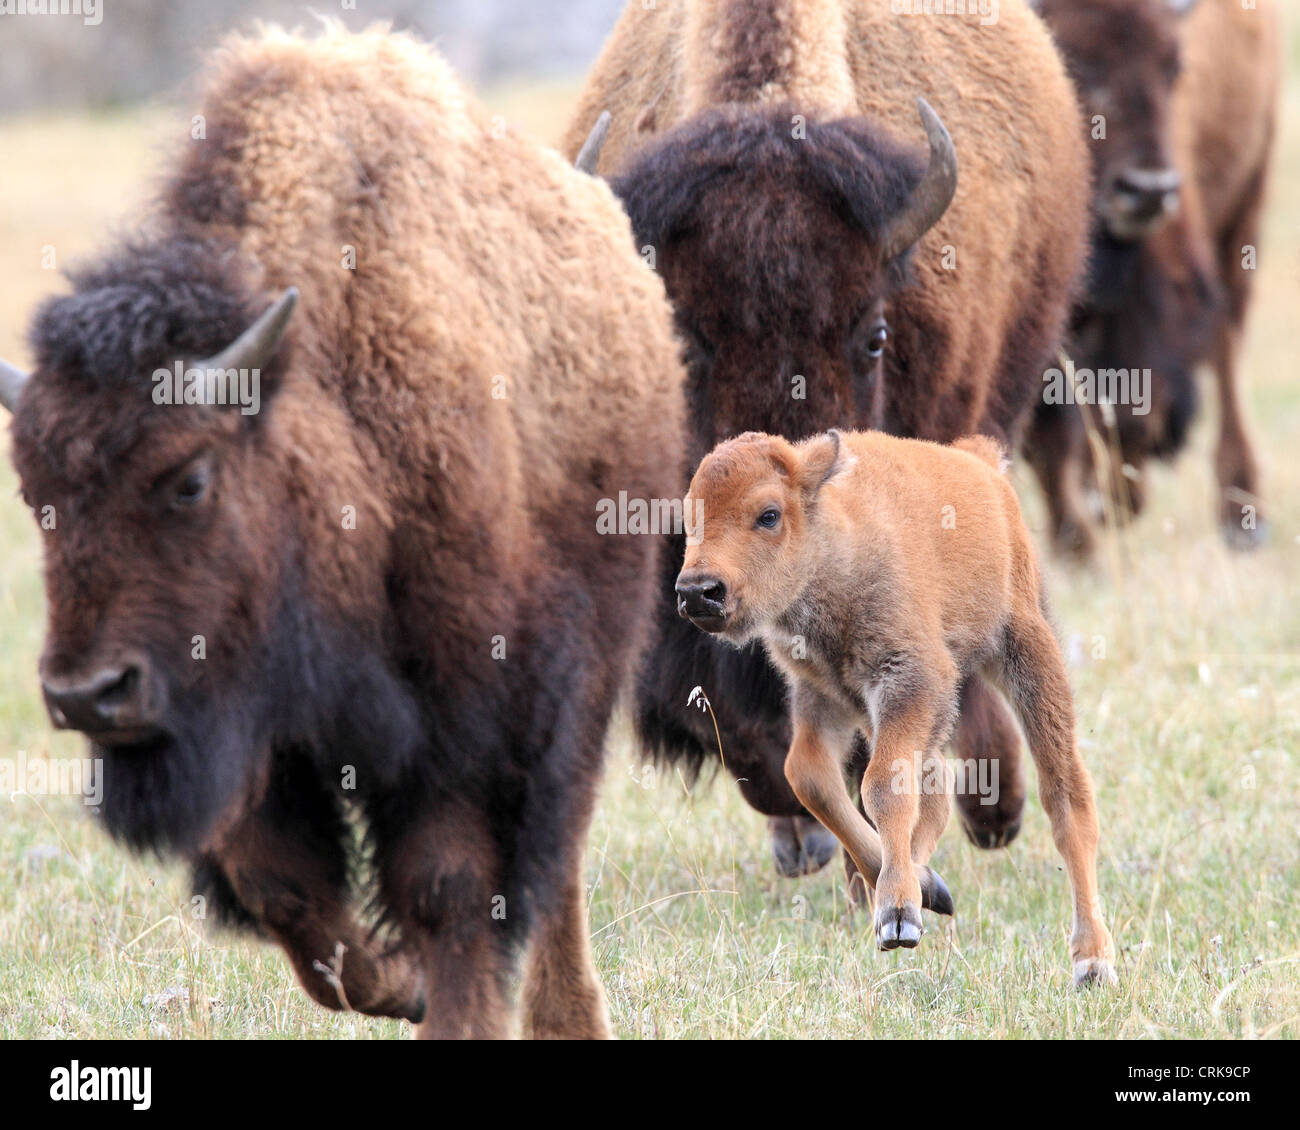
[1186, 666]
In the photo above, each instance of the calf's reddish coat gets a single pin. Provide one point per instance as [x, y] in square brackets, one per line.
[880, 574]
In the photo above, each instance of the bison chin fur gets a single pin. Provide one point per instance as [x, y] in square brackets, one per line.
[1140, 314]
[318, 690]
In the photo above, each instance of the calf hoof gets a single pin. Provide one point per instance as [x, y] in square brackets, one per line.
[800, 845]
[1240, 537]
[898, 926]
[1091, 971]
[934, 892]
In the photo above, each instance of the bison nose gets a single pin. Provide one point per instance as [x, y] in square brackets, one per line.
[1141, 199]
[112, 699]
[704, 598]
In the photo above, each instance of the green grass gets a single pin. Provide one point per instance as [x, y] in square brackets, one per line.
[1190, 724]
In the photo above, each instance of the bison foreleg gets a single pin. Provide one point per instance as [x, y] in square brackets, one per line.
[563, 998]
[286, 868]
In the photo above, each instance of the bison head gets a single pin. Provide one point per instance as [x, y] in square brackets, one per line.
[1124, 57]
[178, 639]
[780, 240]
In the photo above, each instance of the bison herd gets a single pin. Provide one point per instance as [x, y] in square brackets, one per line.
[380, 602]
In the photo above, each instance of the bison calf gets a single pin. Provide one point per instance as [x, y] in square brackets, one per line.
[880, 574]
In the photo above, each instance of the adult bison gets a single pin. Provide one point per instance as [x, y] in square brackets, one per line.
[826, 271]
[1182, 99]
[384, 592]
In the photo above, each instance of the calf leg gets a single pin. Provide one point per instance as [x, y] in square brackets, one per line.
[891, 795]
[933, 807]
[933, 811]
[1036, 680]
[815, 770]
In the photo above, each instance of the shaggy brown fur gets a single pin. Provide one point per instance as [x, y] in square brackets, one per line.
[761, 147]
[1193, 96]
[407, 607]
[880, 574]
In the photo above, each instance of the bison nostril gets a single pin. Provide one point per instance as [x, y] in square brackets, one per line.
[714, 593]
[102, 702]
[1144, 194]
[121, 690]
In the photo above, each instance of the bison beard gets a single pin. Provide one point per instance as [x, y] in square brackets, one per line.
[311, 691]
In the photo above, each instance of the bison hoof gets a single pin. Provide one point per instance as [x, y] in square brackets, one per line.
[1091, 971]
[800, 845]
[898, 926]
[1075, 541]
[1242, 539]
[991, 834]
[934, 892]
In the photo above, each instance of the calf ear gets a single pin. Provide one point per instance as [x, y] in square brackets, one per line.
[821, 459]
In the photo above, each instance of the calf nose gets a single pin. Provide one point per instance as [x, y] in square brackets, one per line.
[110, 699]
[1144, 197]
[704, 597]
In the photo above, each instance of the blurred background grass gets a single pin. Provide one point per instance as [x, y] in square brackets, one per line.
[1190, 721]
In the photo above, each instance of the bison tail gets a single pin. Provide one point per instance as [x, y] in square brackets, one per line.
[987, 449]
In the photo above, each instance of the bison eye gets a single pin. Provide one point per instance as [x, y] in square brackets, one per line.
[769, 518]
[876, 342]
[191, 488]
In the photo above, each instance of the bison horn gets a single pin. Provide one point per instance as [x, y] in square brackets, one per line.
[11, 384]
[932, 196]
[589, 154]
[256, 345]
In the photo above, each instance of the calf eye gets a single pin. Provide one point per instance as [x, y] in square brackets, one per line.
[769, 518]
[876, 342]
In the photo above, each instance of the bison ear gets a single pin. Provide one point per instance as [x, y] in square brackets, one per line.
[821, 460]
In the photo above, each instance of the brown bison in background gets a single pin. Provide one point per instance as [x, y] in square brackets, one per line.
[826, 271]
[384, 593]
[1181, 98]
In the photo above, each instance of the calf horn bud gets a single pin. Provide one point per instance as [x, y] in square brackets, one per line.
[930, 198]
[256, 345]
[11, 384]
[589, 154]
